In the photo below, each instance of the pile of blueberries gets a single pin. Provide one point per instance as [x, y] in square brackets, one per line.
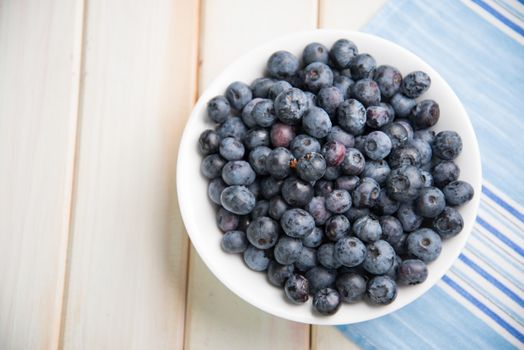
[326, 174]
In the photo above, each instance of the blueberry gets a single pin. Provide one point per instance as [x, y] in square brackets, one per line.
[404, 155]
[297, 223]
[255, 188]
[415, 84]
[208, 142]
[405, 123]
[282, 135]
[277, 88]
[425, 135]
[307, 259]
[256, 137]
[290, 106]
[385, 205]
[270, 187]
[363, 66]
[377, 145]
[311, 98]
[232, 127]
[345, 72]
[353, 163]
[390, 110]
[317, 208]
[333, 152]
[378, 170]
[238, 172]
[329, 98]
[323, 187]
[448, 223]
[313, 239]
[226, 221]
[392, 272]
[215, 188]
[366, 91]
[287, 250]
[354, 213]
[388, 79]
[326, 301]
[351, 287]
[424, 244]
[256, 259]
[458, 192]
[343, 83]
[381, 290]
[332, 173]
[424, 149]
[316, 122]
[282, 64]
[366, 194]
[246, 116]
[277, 207]
[261, 86]
[430, 202]
[392, 230]
[296, 289]
[317, 75]
[296, 192]
[262, 232]
[412, 271]
[238, 200]
[350, 251]
[218, 109]
[377, 116]
[264, 113]
[402, 105]
[401, 246]
[427, 178]
[348, 183]
[380, 257]
[326, 256]
[404, 183]
[277, 162]
[445, 172]
[303, 144]
[315, 52]
[234, 242]
[338, 201]
[257, 159]
[238, 94]
[336, 227]
[408, 217]
[231, 149]
[211, 166]
[277, 274]
[339, 135]
[367, 228]
[425, 114]
[342, 52]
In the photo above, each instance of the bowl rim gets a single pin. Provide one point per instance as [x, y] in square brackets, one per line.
[186, 142]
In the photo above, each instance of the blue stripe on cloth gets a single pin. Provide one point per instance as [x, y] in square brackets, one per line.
[515, 212]
[500, 215]
[500, 236]
[515, 12]
[500, 17]
[484, 309]
[492, 279]
[434, 321]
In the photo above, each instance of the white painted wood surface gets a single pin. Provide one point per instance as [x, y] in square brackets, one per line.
[39, 60]
[93, 253]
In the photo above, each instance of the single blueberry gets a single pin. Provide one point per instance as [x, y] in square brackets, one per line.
[303, 144]
[277, 88]
[313, 239]
[353, 163]
[367, 228]
[333, 152]
[261, 86]
[270, 187]
[342, 52]
[296, 192]
[231, 149]
[211, 166]
[377, 145]
[458, 192]
[315, 52]
[215, 188]
[234, 242]
[415, 84]
[378, 170]
[277, 207]
[385, 205]
[350, 251]
[317, 75]
[404, 183]
[406, 124]
[317, 208]
[323, 187]
[238, 200]
[425, 135]
[402, 105]
[246, 116]
[381, 290]
[448, 223]
[348, 183]
[218, 109]
[256, 137]
[377, 116]
[351, 116]
[277, 162]
[392, 230]
[307, 259]
[282, 64]
[388, 79]
[408, 217]
[277, 274]
[290, 105]
[412, 271]
[326, 256]
[445, 172]
[209, 142]
[256, 259]
[351, 287]
[226, 220]
[329, 98]
[336, 227]
[366, 91]
[263, 113]
[366, 194]
[424, 244]
[447, 145]
[287, 250]
[343, 83]
[257, 159]
[338, 201]
[238, 94]
[425, 114]
[297, 223]
[316, 122]
[232, 127]
[339, 135]
[282, 134]
[379, 257]
[424, 149]
[238, 172]
[430, 202]
[404, 155]
[326, 301]
[297, 288]
[363, 66]
[263, 232]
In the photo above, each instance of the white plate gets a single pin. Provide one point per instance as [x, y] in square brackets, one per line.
[199, 214]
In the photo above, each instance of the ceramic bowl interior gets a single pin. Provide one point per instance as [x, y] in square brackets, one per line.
[198, 212]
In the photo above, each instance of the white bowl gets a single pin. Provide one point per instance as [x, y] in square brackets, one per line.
[199, 214]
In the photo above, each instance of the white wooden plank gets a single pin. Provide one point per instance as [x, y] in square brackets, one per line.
[328, 338]
[347, 14]
[39, 61]
[127, 276]
[217, 318]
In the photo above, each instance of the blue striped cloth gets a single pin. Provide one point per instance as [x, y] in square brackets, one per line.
[478, 47]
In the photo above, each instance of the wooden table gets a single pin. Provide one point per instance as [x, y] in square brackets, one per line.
[94, 95]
